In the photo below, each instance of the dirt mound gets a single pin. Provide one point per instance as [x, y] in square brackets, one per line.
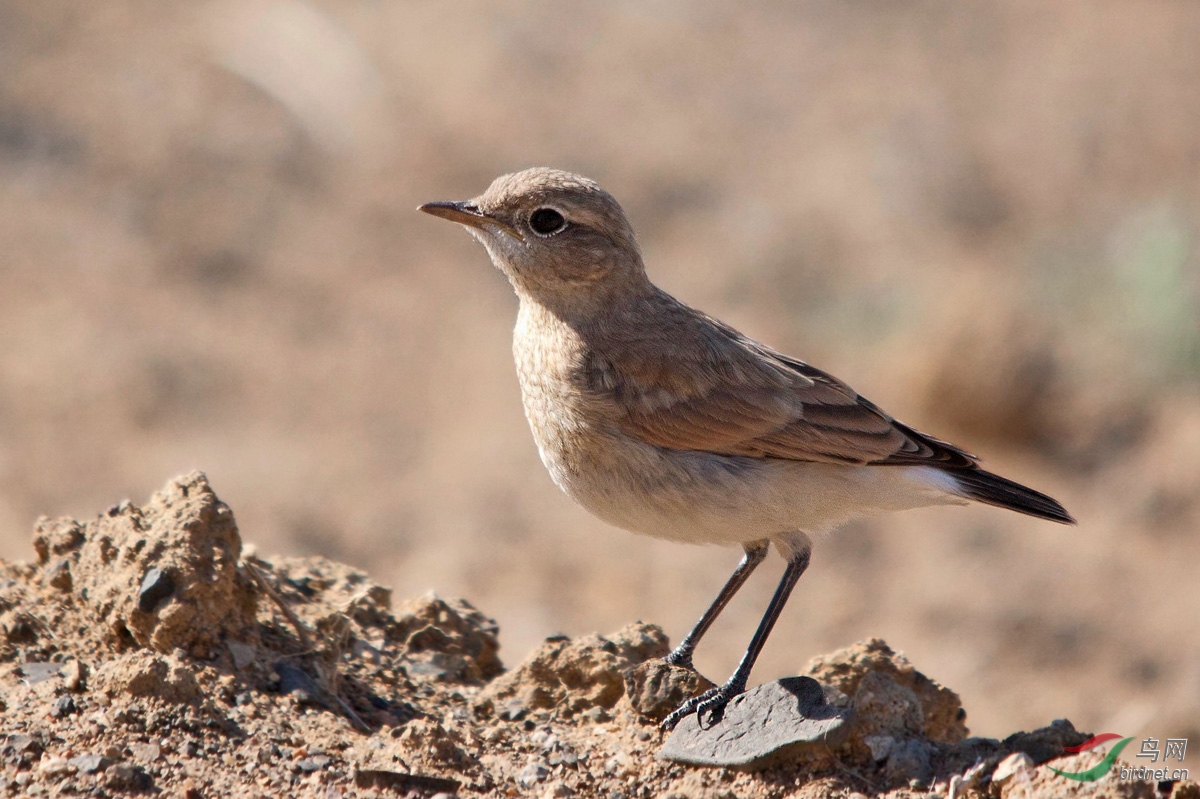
[165, 575]
[573, 676]
[893, 702]
[144, 652]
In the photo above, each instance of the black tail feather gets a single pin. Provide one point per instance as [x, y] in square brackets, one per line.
[993, 489]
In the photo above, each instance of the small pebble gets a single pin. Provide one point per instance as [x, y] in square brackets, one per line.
[55, 766]
[566, 758]
[513, 710]
[533, 774]
[22, 743]
[90, 764]
[557, 790]
[1017, 761]
[124, 776]
[365, 651]
[145, 753]
[60, 575]
[311, 764]
[429, 668]
[880, 746]
[74, 676]
[243, 654]
[157, 585]
[63, 706]
[294, 681]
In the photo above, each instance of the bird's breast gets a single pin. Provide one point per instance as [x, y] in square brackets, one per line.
[623, 481]
[571, 425]
[557, 412]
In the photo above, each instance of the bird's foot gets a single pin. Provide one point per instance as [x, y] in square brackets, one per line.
[680, 657]
[712, 701]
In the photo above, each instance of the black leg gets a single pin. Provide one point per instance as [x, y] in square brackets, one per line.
[715, 699]
[682, 654]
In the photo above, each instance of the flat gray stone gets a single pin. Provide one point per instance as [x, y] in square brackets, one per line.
[90, 764]
[243, 654]
[35, 673]
[770, 723]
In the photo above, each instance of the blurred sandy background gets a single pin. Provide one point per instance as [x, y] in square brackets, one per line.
[209, 258]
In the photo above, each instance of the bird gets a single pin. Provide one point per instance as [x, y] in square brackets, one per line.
[661, 420]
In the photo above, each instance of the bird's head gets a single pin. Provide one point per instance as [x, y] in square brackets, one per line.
[558, 237]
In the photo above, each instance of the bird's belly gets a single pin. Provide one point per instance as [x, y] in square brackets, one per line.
[701, 497]
[678, 495]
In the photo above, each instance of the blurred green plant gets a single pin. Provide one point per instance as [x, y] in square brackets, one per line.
[1130, 296]
[1154, 263]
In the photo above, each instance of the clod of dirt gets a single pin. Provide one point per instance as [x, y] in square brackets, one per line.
[909, 728]
[430, 745]
[165, 575]
[572, 676]
[1045, 743]
[655, 688]
[447, 640]
[889, 695]
[639, 642]
[148, 674]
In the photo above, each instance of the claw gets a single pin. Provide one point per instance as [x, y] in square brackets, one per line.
[680, 658]
[681, 712]
[712, 701]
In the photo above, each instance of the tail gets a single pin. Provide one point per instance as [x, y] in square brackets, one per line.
[993, 489]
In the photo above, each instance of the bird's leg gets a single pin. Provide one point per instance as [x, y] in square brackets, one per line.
[715, 699]
[682, 654]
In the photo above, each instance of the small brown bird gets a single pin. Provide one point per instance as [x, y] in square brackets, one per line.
[664, 421]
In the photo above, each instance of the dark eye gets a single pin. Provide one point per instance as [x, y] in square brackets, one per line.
[547, 222]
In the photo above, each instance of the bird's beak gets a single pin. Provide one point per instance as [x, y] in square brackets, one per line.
[465, 213]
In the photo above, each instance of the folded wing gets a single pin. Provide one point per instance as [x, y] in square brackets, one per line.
[727, 394]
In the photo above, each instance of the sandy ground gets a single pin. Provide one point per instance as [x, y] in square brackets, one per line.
[984, 218]
[141, 653]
